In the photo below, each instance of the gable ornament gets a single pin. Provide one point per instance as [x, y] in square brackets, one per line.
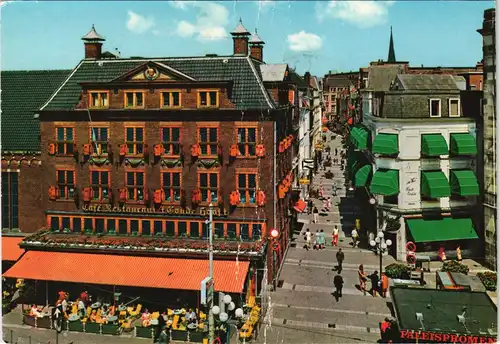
[151, 73]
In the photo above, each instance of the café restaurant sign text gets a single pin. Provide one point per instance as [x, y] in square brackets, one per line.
[444, 337]
[107, 208]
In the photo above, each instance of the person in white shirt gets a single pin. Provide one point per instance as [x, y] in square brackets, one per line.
[81, 308]
[64, 305]
[354, 236]
[335, 240]
[308, 239]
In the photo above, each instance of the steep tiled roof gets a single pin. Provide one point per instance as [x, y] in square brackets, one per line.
[381, 77]
[273, 72]
[23, 92]
[296, 78]
[248, 90]
[429, 82]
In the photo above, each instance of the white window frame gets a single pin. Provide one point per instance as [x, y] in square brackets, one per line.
[430, 107]
[449, 107]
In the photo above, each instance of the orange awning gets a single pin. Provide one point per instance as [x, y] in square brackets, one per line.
[300, 206]
[146, 272]
[10, 248]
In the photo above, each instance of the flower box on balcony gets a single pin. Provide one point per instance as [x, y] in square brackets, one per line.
[76, 326]
[91, 327]
[144, 332]
[111, 329]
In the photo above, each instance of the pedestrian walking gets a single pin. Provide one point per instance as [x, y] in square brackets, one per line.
[459, 254]
[362, 279]
[316, 240]
[338, 282]
[328, 204]
[307, 238]
[334, 189]
[442, 254]
[310, 205]
[354, 237]
[321, 191]
[163, 338]
[322, 239]
[336, 151]
[374, 279]
[340, 259]
[325, 204]
[384, 285]
[315, 215]
[335, 240]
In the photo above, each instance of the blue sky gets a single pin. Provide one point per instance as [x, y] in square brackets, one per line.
[315, 36]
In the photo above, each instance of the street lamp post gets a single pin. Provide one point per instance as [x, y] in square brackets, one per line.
[381, 245]
[211, 321]
[224, 316]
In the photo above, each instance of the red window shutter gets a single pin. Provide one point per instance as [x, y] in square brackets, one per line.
[158, 196]
[234, 151]
[146, 193]
[260, 151]
[261, 198]
[87, 149]
[123, 149]
[196, 196]
[123, 195]
[158, 150]
[52, 193]
[234, 198]
[146, 150]
[52, 149]
[282, 147]
[87, 194]
[195, 150]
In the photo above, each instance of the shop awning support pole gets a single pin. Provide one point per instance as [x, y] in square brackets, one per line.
[211, 320]
[46, 293]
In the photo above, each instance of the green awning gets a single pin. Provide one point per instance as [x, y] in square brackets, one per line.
[386, 144]
[464, 183]
[434, 184]
[355, 159]
[361, 177]
[441, 230]
[434, 145]
[463, 144]
[385, 182]
[359, 137]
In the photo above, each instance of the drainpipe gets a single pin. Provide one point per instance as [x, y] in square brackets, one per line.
[274, 193]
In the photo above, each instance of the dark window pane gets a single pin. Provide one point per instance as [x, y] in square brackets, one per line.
[99, 225]
[242, 180]
[130, 99]
[231, 231]
[177, 179]
[134, 226]
[122, 226]
[70, 177]
[241, 135]
[139, 101]
[111, 224]
[181, 228]
[130, 134]
[54, 223]
[60, 134]
[194, 229]
[130, 178]
[176, 134]
[65, 223]
[203, 135]
[203, 98]
[166, 179]
[158, 227]
[204, 230]
[146, 227]
[87, 224]
[251, 135]
[104, 178]
[77, 224]
[69, 134]
[244, 231]
[251, 149]
[213, 180]
[139, 134]
[95, 177]
[252, 181]
[170, 228]
[213, 98]
[69, 148]
[140, 178]
[104, 134]
[203, 180]
[219, 230]
[213, 135]
[256, 231]
[166, 134]
[175, 99]
[166, 98]
[61, 177]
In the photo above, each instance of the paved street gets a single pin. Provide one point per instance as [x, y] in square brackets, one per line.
[303, 308]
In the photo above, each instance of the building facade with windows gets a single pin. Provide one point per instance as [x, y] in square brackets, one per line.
[415, 156]
[137, 150]
[489, 138]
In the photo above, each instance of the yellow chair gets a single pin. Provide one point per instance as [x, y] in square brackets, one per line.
[201, 325]
[126, 324]
[74, 308]
[138, 308]
[203, 316]
[130, 310]
[170, 312]
[176, 322]
[246, 331]
[89, 311]
[155, 315]
[251, 301]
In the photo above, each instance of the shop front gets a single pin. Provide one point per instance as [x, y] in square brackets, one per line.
[442, 316]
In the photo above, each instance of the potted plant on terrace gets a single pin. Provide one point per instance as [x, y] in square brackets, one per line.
[454, 266]
[489, 280]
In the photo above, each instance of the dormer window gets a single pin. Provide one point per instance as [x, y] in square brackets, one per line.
[435, 107]
[170, 99]
[98, 100]
[454, 107]
[134, 100]
[208, 99]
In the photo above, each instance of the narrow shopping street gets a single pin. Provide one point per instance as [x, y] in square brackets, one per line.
[303, 305]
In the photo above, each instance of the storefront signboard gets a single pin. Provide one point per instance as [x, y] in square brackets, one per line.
[444, 337]
[304, 181]
[207, 291]
[319, 146]
[108, 208]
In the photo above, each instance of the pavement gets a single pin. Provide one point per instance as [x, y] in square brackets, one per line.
[303, 309]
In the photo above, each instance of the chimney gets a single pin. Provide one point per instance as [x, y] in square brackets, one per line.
[256, 46]
[307, 78]
[93, 44]
[240, 40]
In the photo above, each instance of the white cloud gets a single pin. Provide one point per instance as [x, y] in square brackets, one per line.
[303, 41]
[138, 23]
[182, 5]
[264, 5]
[210, 22]
[363, 14]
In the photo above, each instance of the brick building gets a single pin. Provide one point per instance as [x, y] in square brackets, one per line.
[135, 150]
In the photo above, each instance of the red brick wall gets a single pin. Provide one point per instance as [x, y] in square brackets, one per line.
[240, 45]
[93, 50]
[256, 52]
[31, 190]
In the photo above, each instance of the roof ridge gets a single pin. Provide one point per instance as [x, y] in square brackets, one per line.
[154, 59]
[62, 85]
[35, 70]
[259, 80]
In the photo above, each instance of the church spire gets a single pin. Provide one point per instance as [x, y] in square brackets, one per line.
[391, 58]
